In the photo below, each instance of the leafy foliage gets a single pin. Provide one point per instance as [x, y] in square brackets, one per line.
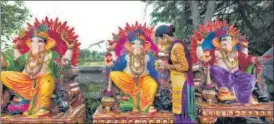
[91, 92]
[13, 15]
[254, 18]
[87, 56]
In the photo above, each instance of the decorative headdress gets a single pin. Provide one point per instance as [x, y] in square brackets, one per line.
[133, 32]
[51, 31]
[211, 34]
[42, 32]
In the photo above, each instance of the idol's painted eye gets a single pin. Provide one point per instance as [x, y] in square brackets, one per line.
[224, 39]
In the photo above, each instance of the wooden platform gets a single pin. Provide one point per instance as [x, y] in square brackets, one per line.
[101, 116]
[210, 113]
[76, 115]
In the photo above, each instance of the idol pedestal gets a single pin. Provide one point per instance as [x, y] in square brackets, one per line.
[74, 115]
[102, 116]
[210, 113]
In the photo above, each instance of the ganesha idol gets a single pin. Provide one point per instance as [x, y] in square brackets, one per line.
[222, 49]
[133, 72]
[42, 67]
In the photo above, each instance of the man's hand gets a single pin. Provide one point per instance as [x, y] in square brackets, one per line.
[206, 59]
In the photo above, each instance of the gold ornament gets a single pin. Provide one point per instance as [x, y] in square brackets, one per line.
[137, 64]
[230, 63]
[34, 64]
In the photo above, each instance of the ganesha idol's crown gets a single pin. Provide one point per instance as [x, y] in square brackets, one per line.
[130, 33]
[52, 30]
[137, 27]
[211, 32]
[209, 36]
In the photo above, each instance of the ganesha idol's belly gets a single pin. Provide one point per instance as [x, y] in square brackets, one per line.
[44, 70]
[45, 67]
[127, 70]
[220, 63]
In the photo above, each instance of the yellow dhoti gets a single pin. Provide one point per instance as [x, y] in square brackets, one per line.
[142, 92]
[38, 91]
[177, 79]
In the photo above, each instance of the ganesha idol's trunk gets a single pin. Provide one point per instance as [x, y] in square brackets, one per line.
[35, 49]
[137, 51]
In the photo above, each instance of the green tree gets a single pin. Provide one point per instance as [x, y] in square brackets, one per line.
[13, 15]
[84, 56]
[93, 55]
[254, 18]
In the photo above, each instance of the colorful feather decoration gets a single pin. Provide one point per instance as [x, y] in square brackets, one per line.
[126, 35]
[210, 34]
[55, 28]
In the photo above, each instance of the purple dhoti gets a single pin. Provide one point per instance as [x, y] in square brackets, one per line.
[241, 82]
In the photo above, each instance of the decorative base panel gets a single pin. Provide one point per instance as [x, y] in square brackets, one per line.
[75, 115]
[210, 113]
[101, 116]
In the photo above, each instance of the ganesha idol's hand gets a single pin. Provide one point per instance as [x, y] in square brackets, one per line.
[200, 42]
[260, 59]
[64, 61]
[206, 59]
[244, 44]
[3, 62]
[69, 43]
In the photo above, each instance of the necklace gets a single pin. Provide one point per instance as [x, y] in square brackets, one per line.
[34, 64]
[137, 64]
[230, 63]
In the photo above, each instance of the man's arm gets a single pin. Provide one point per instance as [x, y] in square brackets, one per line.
[12, 64]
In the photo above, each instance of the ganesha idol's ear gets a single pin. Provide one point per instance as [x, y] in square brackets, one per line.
[28, 42]
[216, 42]
[147, 45]
[128, 46]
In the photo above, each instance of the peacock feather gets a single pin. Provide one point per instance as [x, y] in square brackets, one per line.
[42, 28]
